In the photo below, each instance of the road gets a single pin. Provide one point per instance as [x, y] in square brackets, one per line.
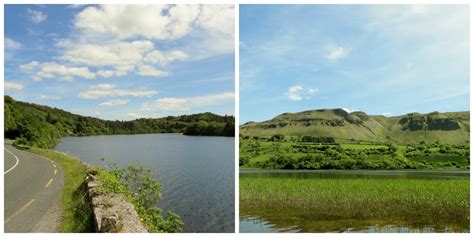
[32, 189]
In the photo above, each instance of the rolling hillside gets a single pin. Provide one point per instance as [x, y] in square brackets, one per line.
[451, 127]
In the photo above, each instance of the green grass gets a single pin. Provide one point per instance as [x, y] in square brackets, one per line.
[288, 202]
[76, 211]
[361, 146]
[257, 153]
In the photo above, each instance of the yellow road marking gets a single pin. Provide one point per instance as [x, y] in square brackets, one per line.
[55, 171]
[49, 182]
[18, 212]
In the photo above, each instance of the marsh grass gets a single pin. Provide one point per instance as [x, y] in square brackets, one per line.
[414, 202]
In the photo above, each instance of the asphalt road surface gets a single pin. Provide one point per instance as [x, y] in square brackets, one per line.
[32, 189]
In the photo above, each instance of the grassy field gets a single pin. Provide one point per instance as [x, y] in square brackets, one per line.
[320, 205]
[289, 152]
[76, 211]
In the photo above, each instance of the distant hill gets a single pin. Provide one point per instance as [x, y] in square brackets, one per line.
[43, 126]
[450, 127]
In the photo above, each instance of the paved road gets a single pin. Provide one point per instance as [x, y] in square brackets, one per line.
[33, 186]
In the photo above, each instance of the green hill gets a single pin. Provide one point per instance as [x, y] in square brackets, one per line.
[43, 126]
[450, 127]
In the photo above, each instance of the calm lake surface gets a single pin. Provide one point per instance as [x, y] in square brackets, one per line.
[259, 222]
[196, 173]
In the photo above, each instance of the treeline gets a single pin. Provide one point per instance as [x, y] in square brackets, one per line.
[43, 126]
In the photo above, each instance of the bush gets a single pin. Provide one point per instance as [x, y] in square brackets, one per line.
[138, 185]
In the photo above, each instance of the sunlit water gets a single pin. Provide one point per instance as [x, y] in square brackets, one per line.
[196, 173]
[260, 223]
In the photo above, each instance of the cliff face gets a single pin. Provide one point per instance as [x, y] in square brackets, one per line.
[450, 127]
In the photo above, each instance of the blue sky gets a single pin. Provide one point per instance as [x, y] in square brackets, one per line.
[121, 62]
[380, 59]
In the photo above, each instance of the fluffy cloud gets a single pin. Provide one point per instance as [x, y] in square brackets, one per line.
[50, 97]
[109, 90]
[297, 92]
[29, 66]
[106, 73]
[111, 54]
[10, 86]
[54, 70]
[116, 40]
[36, 16]
[350, 110]
[335, 53]
[12, 44]
[212, 24]
[123, 57]
[147, 70]
[179, 104]
[114, 102]
[103, 86]
[163, 58]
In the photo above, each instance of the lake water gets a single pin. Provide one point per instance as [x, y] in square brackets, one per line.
[196, 173]
[261, 221]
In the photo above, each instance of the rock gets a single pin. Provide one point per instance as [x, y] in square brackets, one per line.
[112, 212]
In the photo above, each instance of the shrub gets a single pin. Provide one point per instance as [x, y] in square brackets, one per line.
[139, 187]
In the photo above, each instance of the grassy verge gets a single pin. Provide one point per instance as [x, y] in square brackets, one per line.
[308, 203]
[136, 183]
[76, 210]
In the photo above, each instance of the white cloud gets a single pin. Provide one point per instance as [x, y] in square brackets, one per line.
[52, 70]
[335, 53]
[29, 66]
[109, 90]
[350, 110]
[10, 86]
[213, 25]
[114, 102]
[298, 92]
[162, 22]
[106, 73]
[50, 97]
[218, 21]
[136, 116]
[12, 44]
[103, 86]
[36, 16]
[387, 114]
[106, 54]
[147, 70]
[187, 103]
[164, 58]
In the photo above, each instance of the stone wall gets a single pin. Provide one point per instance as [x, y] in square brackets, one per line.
[112, 213]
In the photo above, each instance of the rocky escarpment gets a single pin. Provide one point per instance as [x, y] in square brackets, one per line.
[112, 213]
[432, 121]
[448, 127]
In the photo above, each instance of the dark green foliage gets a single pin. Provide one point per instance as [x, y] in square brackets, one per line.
[291, 154]
[42, 126]
[203, 128]
[277, 137]
[316, 139]
[138, 185]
